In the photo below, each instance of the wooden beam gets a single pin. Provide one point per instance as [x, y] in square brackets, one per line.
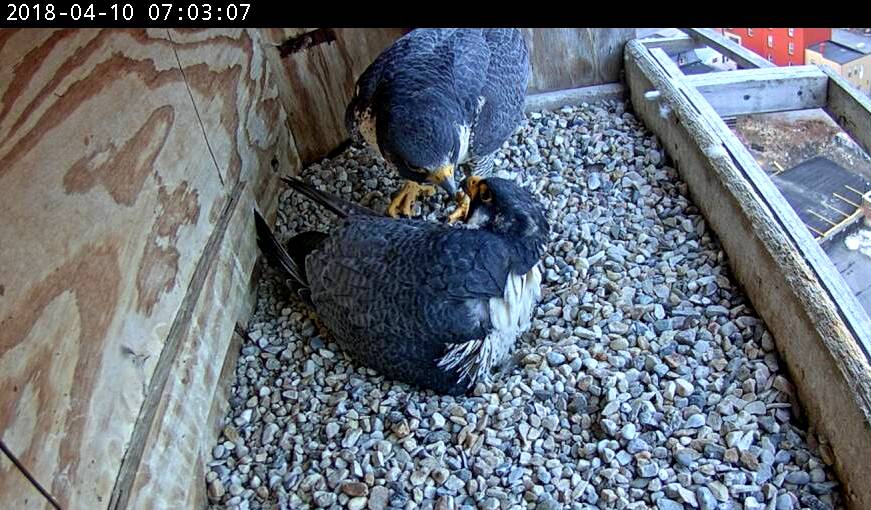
[560, 98]
[672, 45]
[820, 330]
[741, 55]
[765, 90]
[849, 108]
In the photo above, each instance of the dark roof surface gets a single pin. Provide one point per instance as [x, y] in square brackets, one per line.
[830, 50]
[697, 68]
[814, 188]
[854, 41]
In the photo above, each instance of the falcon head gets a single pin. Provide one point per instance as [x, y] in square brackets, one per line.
[422, 140]
[503, 207]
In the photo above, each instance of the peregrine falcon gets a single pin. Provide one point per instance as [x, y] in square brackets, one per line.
[437, 98]
[424, 303]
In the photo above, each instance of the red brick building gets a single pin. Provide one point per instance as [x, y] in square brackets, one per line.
[783, 46]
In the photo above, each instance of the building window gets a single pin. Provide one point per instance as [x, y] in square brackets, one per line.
[770, 41]
[734, 37]
[770, 58]
[790, 31]
[749, 32]
[791, 48]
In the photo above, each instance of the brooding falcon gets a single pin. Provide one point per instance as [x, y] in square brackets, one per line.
[421, 302]
[437, 98]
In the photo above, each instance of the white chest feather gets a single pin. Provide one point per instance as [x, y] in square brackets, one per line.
[465, 140]
[510, 316]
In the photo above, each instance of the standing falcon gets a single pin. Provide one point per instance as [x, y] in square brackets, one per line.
[437, 98]
[422, 302]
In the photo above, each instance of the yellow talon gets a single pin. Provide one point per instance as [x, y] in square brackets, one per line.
[462, 208]
[402, 202]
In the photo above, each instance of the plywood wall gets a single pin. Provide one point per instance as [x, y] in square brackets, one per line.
[319, 81]
[129, 162]
[564, 58]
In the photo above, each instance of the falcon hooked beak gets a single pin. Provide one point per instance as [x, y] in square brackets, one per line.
[444, 178]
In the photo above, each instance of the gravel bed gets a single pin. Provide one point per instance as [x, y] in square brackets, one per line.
[646, 381]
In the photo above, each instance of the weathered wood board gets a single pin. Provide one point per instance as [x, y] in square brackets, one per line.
[564, 58]
[248, 134]
[849, 108]
[26, 495]
[560, 98]
[319, 81]
[750, 91]
[181, 438]
[121, 151]
[774, 258]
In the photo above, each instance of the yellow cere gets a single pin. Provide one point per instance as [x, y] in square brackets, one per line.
[443, 173]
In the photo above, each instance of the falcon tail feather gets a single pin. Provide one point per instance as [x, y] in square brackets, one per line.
[341, 208]
[274, 252]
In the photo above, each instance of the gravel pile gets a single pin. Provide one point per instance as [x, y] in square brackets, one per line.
[646, 381]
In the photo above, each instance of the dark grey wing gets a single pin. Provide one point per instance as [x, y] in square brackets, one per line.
[395, 293]
[504, 91]
[405, 266]
[469, 58]
[415, 46]
[367, 83]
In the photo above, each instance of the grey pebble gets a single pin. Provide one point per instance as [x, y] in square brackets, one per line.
[645, 375]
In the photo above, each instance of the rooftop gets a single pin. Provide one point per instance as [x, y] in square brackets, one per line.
[830, 50]
[854, 41]
[697, 68]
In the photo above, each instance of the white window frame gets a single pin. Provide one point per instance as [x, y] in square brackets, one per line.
[770, 41]
[790, 32]
[791, 48]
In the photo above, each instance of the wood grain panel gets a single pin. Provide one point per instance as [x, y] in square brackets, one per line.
[117, 163]
[256, 137]
[26, 494]
[564, 58]
[320, 82]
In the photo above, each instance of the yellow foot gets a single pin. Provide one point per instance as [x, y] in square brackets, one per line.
[462, 208]
[402, 202]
